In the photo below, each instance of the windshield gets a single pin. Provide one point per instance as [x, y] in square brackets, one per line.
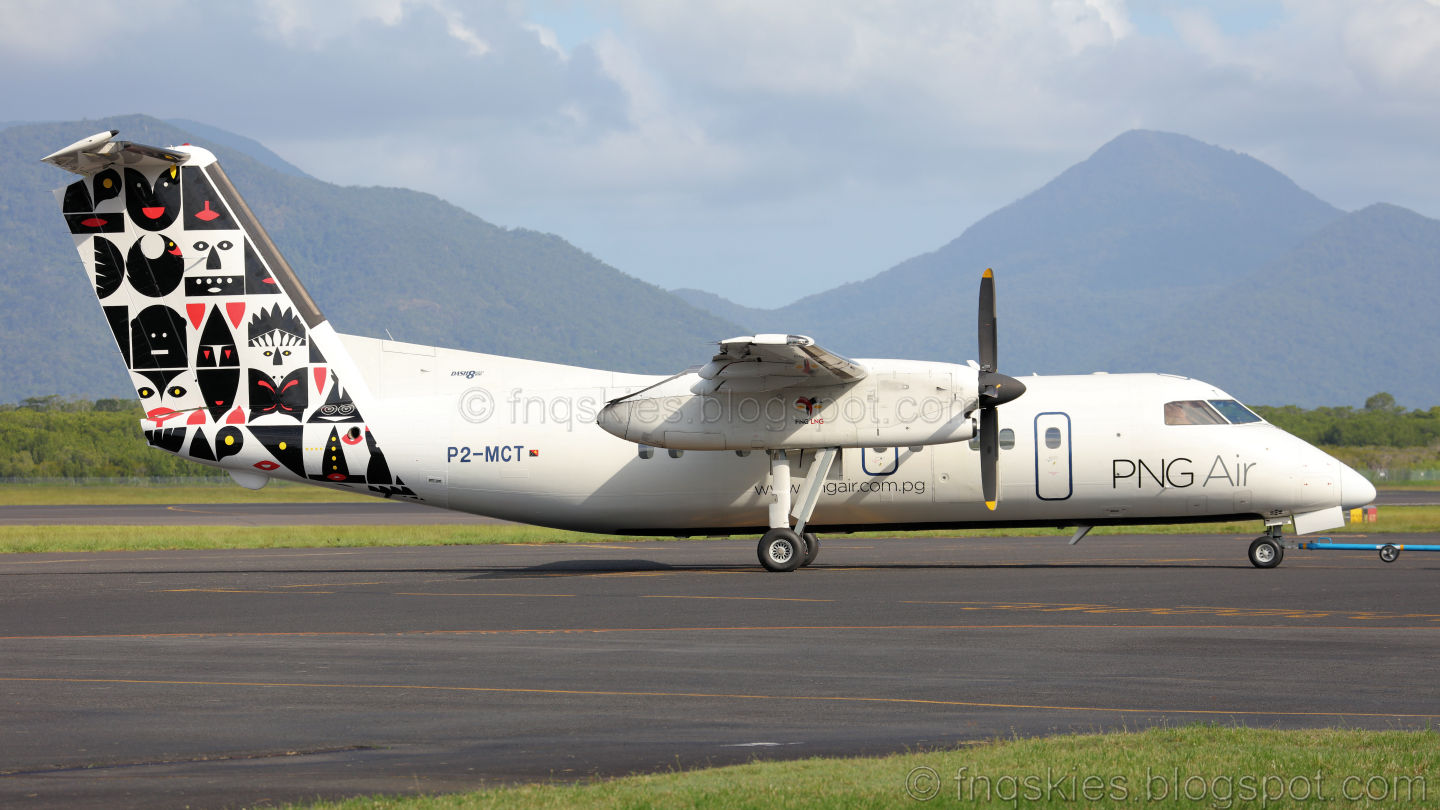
[1211, 412]
[1237, 414]
[1191, 412]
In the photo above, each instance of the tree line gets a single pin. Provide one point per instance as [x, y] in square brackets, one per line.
[52, 437]
[1381, 423]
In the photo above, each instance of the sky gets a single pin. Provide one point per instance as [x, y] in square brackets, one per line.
[760, 150]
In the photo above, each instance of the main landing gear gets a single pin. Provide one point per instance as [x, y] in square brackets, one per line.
[1267, 551]
[783, 548]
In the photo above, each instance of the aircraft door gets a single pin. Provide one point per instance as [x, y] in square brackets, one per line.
[875, 461]
[1053, 478]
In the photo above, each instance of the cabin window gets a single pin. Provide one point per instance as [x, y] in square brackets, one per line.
[1237, 414]
[646, 451]
[1007, 440]
[1052, 437]
[1191, 412]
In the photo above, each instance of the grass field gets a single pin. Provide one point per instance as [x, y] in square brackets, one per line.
[222, 491]
[31, 539]
[1191, 766]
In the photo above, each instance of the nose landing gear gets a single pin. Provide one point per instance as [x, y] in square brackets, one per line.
[1267, 551]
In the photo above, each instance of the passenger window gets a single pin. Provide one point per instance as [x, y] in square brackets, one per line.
[1052, 437]
[1237, 414]
[1191, 412]
[1007, 440]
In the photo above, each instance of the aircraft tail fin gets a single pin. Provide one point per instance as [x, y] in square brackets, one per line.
[233, 362]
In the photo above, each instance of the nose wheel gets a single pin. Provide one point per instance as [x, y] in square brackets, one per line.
[1266, 552]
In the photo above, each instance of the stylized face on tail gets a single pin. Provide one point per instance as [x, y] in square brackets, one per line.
[223, 355]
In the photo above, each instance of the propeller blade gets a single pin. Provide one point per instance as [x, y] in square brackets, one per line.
[988, 360]
[995, 389]
[989, 454]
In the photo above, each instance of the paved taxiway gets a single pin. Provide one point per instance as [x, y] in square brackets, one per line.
[362, 513]
[209, 679]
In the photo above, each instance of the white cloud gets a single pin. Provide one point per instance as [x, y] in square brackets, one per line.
[882, 128]
[1394, 45]
[43, 34]
[313, 24]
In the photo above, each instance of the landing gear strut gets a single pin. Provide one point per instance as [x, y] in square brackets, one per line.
[782, 548]
[1268, 550]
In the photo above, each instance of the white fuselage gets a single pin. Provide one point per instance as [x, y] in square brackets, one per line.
[518, 440]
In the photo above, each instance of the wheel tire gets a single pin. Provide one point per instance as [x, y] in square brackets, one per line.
[1266, 553]
[1389, 553]
[781, 550]
[812, 548]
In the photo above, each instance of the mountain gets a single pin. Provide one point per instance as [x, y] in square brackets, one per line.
[1162, 253]
[719, 306]
[251, 147]
[374, 259]
[1349, 312]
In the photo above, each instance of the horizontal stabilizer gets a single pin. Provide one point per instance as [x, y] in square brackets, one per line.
[90, 155]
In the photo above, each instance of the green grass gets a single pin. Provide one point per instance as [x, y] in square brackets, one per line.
[1220, 767]
[222, 491]
[33, 539]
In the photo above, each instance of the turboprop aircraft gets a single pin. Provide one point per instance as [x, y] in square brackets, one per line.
[237, 368]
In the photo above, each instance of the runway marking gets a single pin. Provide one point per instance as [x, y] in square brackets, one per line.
[551, 595]
[713, 696]
[1179, 610]
[198, 511]
[743, 598]
[329, 584]
[237, 590]
[723, 629]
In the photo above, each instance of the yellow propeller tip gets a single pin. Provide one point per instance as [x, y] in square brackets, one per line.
[988, 273]
[990, 505]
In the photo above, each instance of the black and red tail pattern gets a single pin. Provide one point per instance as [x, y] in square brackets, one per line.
[211, 322]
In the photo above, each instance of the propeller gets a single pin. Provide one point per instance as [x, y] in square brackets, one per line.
[995, 389]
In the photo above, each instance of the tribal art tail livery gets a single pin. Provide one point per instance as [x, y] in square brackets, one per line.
[226, 350]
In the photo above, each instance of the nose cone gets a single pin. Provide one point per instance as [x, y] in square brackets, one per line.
[998, 389]
[1355, 491]
[614, 419]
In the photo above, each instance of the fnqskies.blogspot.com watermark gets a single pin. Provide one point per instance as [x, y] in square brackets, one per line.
[478, 404]
[1220, 791]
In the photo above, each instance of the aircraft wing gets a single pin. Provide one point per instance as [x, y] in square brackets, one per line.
[767, 362]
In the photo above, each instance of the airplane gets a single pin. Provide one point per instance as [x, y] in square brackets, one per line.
[237, 368]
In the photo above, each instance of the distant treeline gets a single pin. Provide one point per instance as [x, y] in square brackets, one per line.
[53, 437]
[1379, 424]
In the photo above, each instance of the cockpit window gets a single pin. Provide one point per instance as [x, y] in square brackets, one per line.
[1191, 412]
[1237, 414]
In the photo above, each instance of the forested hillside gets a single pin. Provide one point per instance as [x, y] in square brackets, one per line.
[374, 259]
